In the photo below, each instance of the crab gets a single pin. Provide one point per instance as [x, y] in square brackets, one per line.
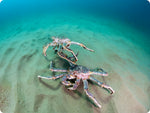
[79, 73]
[63, 44]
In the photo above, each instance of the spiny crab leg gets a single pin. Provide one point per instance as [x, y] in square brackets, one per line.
[64, 56]
[75, 85]
[50, 78]
[69, 77]
[108, 87]
[65, 82]
[82, 45]
[98, 73]
[89, 94]
[102, 85]
[71, 52]
[45, 48]
[56, 70]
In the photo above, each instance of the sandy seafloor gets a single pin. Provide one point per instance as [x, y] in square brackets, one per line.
[120, 49]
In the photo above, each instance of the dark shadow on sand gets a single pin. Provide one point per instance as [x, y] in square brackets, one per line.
[49, 86]
[81, 94]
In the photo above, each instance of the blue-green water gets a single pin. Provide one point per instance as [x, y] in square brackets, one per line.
[118, 31]
[136, 12]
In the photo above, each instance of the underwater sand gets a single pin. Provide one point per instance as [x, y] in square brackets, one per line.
[117, 51]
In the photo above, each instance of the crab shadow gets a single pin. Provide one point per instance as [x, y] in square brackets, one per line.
[50, 86]
[61, 63]
[79, 93]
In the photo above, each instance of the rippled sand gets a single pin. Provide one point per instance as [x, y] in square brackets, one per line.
[117, 51]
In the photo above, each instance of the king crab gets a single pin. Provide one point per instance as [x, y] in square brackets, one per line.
[63, 44]
[79, 73]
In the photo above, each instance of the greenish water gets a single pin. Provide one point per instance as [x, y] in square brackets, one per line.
[121, 48]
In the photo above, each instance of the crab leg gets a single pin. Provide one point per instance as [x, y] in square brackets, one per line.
[98, 73]
[62, 55]
[56, 70]
[65, 82]
[56, 48]
[45, 48]
[75, 85]
[82, 45]
[102, 85]
[71, 77]
[68, 49]
[89, 94]
[60, 48]
[68, 45]
[50, 78]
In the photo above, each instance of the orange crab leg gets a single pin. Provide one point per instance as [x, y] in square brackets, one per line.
[89, 94]
[62, 55]
[98, 73]
[82, 45]
[45, 48]
[68, 49]
[102, 85]
[50, 78]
